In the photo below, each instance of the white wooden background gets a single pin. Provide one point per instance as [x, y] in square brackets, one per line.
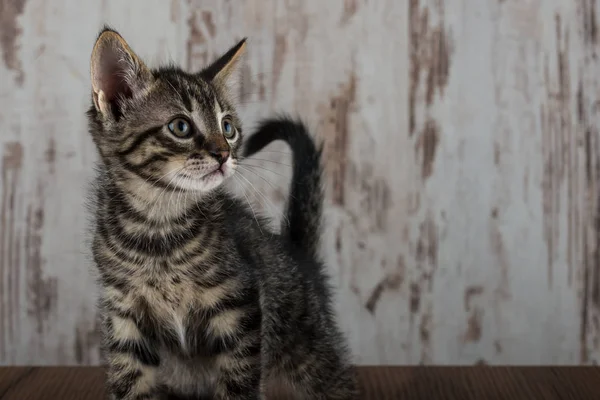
[462, 155]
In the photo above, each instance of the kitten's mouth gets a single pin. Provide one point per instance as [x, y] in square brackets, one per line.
[217, 172]
[208, 181]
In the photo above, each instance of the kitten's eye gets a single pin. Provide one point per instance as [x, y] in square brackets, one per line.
[228, 128]
[180, 128]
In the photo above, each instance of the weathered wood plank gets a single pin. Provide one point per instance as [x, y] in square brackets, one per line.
[586, 220]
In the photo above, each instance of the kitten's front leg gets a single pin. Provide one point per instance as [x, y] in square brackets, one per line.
[239, 377]
[127, 379]
[132, 364]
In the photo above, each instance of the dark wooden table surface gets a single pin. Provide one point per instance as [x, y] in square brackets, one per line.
[378, 383]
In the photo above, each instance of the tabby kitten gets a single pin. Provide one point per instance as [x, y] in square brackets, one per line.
[197, 300]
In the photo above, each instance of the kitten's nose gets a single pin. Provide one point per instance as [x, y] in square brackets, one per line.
[219, 151]
[220, 155]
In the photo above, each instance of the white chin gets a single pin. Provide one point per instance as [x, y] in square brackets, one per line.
[204, 183]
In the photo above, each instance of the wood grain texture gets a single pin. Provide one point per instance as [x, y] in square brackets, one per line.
[376, 383]
[462, 156]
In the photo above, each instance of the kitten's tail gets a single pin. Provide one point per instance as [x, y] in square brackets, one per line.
[304, 209]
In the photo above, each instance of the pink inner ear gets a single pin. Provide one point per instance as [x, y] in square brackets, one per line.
[115, 86]
[112, 77]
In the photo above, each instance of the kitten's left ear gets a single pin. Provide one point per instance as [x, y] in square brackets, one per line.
[117, 73]
[224, 71]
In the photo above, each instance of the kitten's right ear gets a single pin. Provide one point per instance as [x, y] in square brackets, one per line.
[117, 73]
[224, 71]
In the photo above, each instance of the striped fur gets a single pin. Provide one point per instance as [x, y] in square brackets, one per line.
[197, 300]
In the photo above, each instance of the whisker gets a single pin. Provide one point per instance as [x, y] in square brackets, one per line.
[244, 168]
[150, 178]
[173, 193]
[265, 197]
[264, 159]
[248, 200]
[182, 205]
[266, 169]
[176, 91]
[275, 151]
[159, 196]
[185, 198]
[199, 207]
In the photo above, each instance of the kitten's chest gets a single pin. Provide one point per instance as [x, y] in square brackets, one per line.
[189, 315]
[171, 306]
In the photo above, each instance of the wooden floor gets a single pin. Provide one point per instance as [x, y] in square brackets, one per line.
[378, 383]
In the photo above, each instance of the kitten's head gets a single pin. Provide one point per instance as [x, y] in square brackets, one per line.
[164, 127]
